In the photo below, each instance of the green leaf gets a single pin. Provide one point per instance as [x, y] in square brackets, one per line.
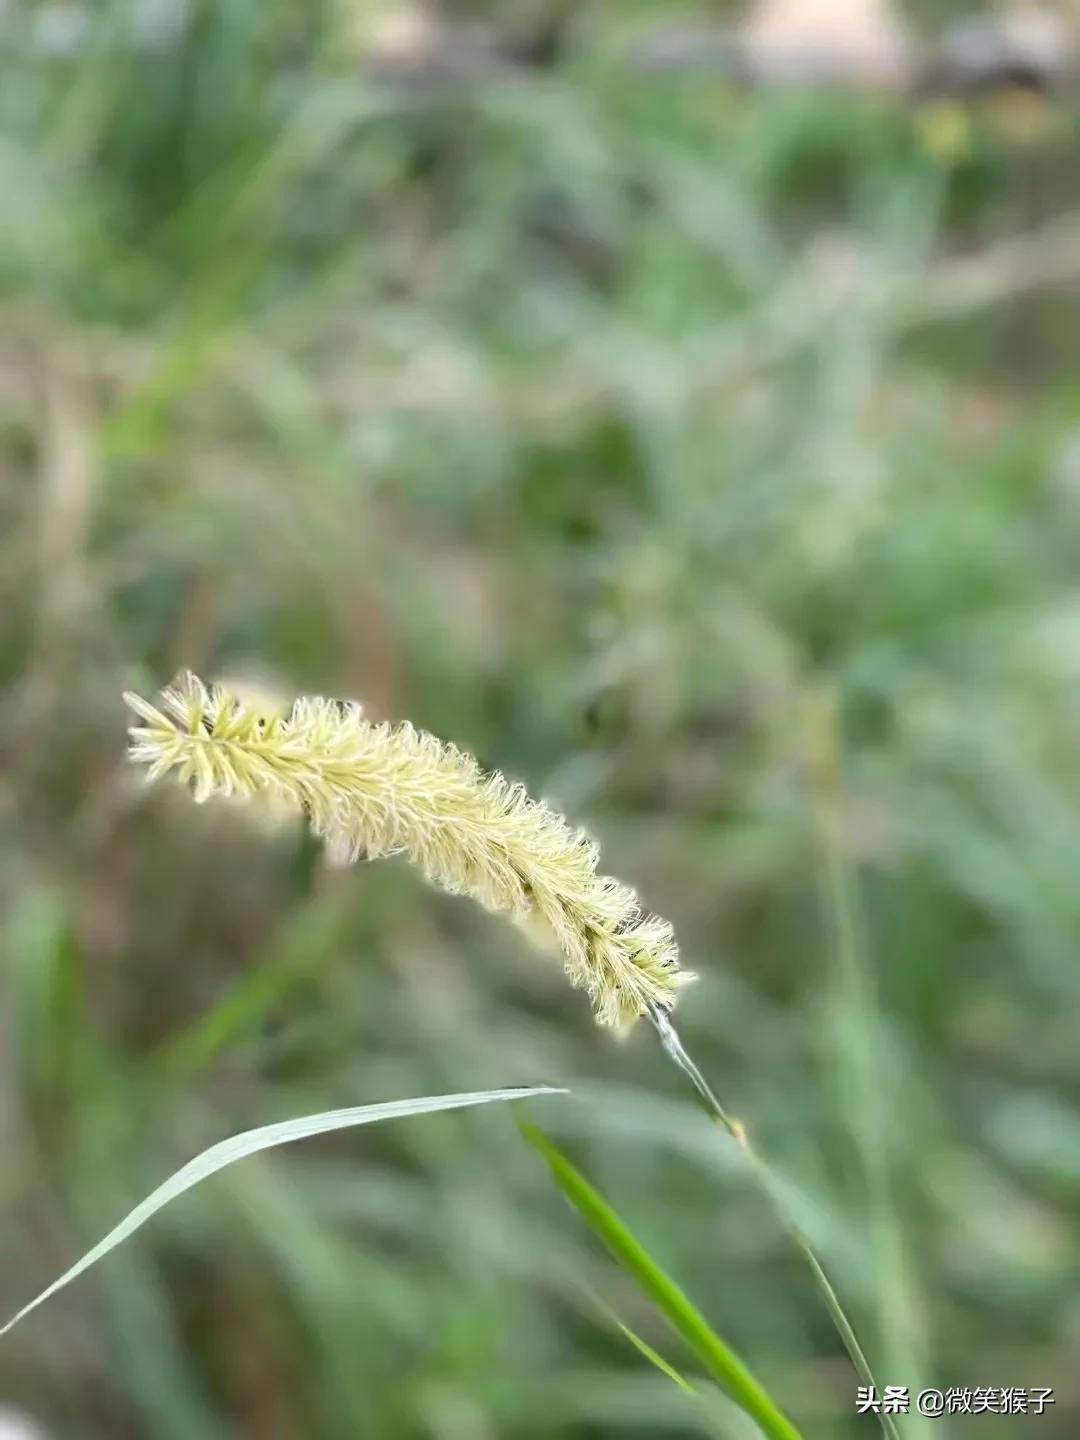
[237, 1147]
[655, 1358]
[713, 1352]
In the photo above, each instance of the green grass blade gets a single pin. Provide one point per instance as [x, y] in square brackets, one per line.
[713, 1352]
[237, 1147]
[655, 1358]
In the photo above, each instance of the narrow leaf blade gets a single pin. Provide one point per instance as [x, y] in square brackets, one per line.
[237, 1147]
[713, 1352]
[655, 1358]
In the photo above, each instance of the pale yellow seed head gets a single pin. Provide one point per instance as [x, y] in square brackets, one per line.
[377, 789]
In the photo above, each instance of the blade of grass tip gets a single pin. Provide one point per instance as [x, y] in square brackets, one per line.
[676, 1051]
[237, 1147]
[655, 1358]
[642, 1346]
[705, 1399]
[687, 1321]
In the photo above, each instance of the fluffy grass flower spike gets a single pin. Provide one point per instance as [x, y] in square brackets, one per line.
[379, 789]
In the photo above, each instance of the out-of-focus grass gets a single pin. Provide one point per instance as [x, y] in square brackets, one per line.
[605, 425]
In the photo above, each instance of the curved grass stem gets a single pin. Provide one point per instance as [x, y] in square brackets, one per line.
[676, 1051]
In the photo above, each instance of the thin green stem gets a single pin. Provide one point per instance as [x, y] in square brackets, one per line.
[858, 1048]
[676, 1050]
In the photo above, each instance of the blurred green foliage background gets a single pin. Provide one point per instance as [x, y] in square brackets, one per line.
[706, 454]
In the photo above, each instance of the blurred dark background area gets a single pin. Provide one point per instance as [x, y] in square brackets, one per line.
[678, 407]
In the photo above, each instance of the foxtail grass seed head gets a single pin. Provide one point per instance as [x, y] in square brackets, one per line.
[379, 789]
